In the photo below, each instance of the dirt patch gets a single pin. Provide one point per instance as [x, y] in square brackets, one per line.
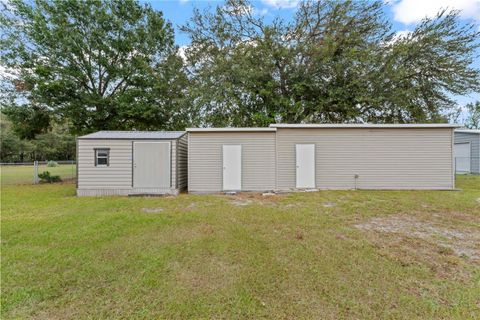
[248, 198]
[329, 204]
[191, 206]
[459, 240]
[152, 210]
[241, 202]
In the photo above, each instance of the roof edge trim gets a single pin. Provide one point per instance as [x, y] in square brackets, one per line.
[231, 129]
[467, 131]
[366, 126]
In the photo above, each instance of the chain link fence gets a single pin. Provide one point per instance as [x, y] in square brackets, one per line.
[28, 172]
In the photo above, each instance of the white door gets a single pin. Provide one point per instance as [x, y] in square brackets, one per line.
[305, 155]
[232, 167]
[151, 165]
[462, 157]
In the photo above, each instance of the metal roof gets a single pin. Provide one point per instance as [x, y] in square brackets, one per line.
[468, 131]
[230, 129]
[134, 135]
[365, 125]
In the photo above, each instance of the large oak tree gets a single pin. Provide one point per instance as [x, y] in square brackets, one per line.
[338, 61]
[96, 64]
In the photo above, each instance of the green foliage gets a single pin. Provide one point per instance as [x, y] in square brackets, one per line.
[45, 177]
[96, 64]
[52, 163]
[338, 61]
[28, 121]
[12, 148]
[56, 144]
[473, 119]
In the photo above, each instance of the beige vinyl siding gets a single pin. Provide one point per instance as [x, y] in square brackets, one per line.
[383, 158]
[116, 179]
[119, 172]
[205, 160]
[182, 163]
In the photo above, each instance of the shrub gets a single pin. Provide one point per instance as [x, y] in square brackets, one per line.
[52, 163]
[45, 177]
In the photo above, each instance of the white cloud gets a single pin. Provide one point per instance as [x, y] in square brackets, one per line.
[281, 4]
[183, 1]
[401, 34]
[241, 10]
[398, 36]
[412, 11]
[260, 12]
[182, 52]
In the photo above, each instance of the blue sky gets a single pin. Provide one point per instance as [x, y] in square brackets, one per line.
[404, 15]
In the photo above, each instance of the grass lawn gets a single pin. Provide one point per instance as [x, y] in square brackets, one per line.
[16, 174]
[323, 255]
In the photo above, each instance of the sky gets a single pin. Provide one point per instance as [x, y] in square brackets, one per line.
[403, 14]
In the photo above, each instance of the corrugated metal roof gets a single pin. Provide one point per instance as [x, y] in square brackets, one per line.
[230, 129]
[365, 125]
[468, 131]
[134, 135]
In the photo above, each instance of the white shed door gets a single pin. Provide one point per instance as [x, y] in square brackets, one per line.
[462, 157]
[305, 155]
[151, 165]
[232, 167]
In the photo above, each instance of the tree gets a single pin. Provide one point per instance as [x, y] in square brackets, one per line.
[11, 147]
[96, 64]
[57, 144]
[473, 118]
[338, 61]
[28, 121]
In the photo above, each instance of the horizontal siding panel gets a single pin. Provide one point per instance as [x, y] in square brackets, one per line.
[119, 172]
[383, 159]
[205, 160]
[116, 176]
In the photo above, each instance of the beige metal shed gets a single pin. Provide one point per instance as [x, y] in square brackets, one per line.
[288, 157]
[131, 163]
[227, 159]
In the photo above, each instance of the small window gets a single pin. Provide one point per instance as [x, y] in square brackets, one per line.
[101, 157]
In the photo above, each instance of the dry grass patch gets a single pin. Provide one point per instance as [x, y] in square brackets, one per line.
[428, 240]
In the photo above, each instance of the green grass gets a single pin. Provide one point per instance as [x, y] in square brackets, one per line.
[16, 174]
[291, 256]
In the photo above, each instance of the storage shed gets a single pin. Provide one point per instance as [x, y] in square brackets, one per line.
[467, 151]
[289, 157]
[223, 159]
[131, 163]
